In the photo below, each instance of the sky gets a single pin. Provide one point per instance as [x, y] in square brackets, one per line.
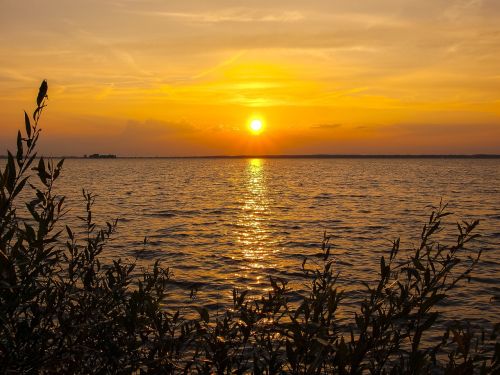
[184, 77]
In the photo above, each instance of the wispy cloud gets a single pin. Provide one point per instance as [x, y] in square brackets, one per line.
[154, 128]
[219, 66]
[235, 15]
[462, 8]
[325, 126]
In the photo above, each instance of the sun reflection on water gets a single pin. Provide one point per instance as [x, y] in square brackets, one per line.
[253, 238]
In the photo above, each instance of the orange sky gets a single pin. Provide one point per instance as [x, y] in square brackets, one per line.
[162, 78]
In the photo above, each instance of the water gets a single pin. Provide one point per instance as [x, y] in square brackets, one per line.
[224, 223]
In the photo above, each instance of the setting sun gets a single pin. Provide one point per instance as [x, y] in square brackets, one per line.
[256, 126]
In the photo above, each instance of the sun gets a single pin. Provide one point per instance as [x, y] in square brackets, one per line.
[256, 126]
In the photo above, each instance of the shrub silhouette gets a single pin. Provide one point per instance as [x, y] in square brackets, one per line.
[63, 310]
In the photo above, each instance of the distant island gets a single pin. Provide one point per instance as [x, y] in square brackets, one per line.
[99, 156]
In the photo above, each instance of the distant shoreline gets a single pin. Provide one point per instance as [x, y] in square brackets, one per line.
[307, 156]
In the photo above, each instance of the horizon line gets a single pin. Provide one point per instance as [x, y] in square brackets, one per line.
[292, 156]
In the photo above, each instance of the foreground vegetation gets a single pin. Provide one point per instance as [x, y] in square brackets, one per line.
[63, 310]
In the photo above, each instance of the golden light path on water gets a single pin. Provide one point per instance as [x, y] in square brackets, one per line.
[253, 237]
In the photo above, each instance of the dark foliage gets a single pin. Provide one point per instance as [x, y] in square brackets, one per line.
[63, 311]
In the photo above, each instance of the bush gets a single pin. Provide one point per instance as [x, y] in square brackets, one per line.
[64, 311]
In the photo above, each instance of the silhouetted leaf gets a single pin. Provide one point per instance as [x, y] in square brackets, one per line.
[70, 233]
[20, 151]
[27, 124]
[36, 112]
[11, 176]
[203, 314]
[430, 321]
[20, 187]
[42, 93]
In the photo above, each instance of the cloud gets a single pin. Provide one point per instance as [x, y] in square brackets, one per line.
[151, 129]
[325, 126]
[462, 9]
[232, 15]
[445, 130]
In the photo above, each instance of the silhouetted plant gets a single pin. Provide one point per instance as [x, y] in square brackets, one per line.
[63, 310]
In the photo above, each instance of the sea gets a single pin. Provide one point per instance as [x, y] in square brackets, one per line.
[221, 224]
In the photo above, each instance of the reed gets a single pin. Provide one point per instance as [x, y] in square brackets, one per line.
[64, 310]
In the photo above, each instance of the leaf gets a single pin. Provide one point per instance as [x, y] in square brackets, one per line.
[322, 341]
[382, 266]
[203, 314]
[430, 321]
[290, 354]
[42, 93]
[11, 176]
[33, 212]
[418, 265]
[28, 125]
[35, 113]
[70, 233]
[241, 298]
[20, 151]
[19, 187]
[30, 161]
[431, 301]
[42, 173]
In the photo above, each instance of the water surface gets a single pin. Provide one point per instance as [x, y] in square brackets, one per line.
[225, 223]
